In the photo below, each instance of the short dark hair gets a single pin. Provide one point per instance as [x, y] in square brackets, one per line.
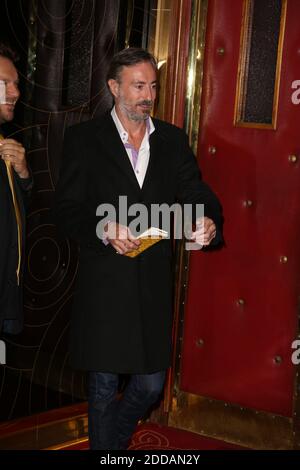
[7, 52]
[126, 58]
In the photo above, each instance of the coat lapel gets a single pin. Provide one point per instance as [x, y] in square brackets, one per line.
[156, 153]
[109, 136]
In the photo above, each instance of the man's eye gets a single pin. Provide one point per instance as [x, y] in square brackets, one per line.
[139, 87]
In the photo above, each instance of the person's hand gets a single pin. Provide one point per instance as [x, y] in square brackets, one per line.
[120, 237]
[205, 231]
[14, 152]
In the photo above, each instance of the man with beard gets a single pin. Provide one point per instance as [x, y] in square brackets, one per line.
[15, 185]
[122, 315]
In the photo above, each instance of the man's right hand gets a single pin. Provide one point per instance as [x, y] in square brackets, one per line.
[120, 237]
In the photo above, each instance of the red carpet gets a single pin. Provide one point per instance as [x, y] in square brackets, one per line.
[154, 437]
[151, 436]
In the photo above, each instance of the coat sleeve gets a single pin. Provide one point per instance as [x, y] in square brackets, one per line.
[191, 189]
[25, 185]
[72, 214]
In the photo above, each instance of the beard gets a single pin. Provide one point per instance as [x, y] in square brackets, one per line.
[6, 112]
[132, 113]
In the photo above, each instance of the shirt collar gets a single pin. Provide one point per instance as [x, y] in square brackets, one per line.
[122, 132]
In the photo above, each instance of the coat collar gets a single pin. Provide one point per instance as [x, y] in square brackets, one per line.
[110, 138]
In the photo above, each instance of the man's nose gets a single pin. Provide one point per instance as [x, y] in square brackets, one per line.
[150, 93]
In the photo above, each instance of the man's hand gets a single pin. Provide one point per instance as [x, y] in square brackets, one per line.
[205, 231]
[120, 237]
[14, 152]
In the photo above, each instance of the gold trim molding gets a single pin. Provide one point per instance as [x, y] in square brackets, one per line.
[191, 124]
[195, 71]
[231, 423]
[47, 435]
[243, 68]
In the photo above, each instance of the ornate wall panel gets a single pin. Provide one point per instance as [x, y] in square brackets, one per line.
[70, 44]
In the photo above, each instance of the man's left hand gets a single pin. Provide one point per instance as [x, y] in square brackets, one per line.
[205, 231]
[14, 152]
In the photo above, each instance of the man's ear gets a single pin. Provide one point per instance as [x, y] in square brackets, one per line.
[114, 87]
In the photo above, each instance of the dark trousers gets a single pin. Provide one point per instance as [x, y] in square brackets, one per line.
[111, 421]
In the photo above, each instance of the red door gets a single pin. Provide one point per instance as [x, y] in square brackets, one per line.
[241, 302]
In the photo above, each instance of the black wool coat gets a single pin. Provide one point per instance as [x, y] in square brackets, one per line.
[11, 299]
[122, 309]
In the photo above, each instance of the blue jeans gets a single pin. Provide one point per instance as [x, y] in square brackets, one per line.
[111, 421]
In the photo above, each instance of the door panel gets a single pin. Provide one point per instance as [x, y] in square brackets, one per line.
[241, 306]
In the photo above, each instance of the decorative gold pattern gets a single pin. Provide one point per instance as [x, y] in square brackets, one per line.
[146, 439]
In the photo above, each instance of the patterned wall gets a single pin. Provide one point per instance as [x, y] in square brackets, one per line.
[65, 47]
[70, 44]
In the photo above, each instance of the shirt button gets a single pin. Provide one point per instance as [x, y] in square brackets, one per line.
[137, 171]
